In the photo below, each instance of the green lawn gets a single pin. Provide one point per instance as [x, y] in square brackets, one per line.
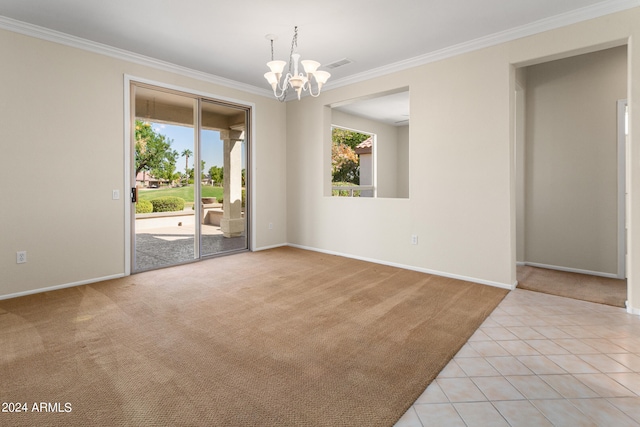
[184, 192]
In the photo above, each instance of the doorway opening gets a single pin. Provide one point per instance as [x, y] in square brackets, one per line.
[570, 177]
[190, 175]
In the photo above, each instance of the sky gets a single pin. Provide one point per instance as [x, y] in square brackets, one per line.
[182, 136]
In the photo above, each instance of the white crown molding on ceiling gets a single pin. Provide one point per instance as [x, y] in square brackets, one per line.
[575, 16]
[114, 52]
[551, 23]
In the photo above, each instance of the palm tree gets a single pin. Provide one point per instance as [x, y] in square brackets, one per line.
[187, 153]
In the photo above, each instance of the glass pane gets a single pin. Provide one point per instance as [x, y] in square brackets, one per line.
[164, 153]
[223, 189]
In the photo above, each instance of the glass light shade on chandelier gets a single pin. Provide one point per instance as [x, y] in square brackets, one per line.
[296, 80]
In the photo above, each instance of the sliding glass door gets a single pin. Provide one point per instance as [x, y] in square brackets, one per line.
[189, 165]
[223, 173]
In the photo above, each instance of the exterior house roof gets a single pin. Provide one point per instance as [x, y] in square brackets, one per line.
[365, 146]
[145, 177]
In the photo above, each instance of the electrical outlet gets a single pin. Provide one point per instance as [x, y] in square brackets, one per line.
[270, 226]
[21, 257]
[414, 239]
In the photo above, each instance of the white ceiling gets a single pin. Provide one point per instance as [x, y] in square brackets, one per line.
[226, 38]
[389, 108]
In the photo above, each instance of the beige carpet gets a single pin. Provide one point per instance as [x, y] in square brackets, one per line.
[584, 287]
[283, 337]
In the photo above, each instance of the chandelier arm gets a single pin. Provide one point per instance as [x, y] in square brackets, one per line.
[282, 87]
[282, 97]
[311, 89]
[283, 94]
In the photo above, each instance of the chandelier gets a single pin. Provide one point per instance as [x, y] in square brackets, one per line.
[297, 81]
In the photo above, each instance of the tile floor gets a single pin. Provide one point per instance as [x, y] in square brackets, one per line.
[540, 360]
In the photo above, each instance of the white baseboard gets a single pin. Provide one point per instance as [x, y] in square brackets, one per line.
[65, 285]
[410, 267]
[632, 310]
[264, 248]
[570, 270]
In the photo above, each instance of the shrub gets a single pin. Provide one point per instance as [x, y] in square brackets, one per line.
[167, 204]
[344, 193]
[144, 206]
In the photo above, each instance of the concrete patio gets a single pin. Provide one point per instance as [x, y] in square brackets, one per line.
[168, 239]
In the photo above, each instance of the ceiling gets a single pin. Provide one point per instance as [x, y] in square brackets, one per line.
[226, 38]
[389, 108]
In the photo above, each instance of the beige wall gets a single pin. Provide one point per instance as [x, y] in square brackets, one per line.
[571, 168]
[459, 176]
[462, 182]
[62, 144]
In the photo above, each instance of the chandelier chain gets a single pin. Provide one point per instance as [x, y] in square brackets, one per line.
[294, 46]
[272, 49]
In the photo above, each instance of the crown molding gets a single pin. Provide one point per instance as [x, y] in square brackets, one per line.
[47, 34]
[551, 23]
[557, 21]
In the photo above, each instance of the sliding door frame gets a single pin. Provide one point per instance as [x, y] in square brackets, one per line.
[129, 113]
